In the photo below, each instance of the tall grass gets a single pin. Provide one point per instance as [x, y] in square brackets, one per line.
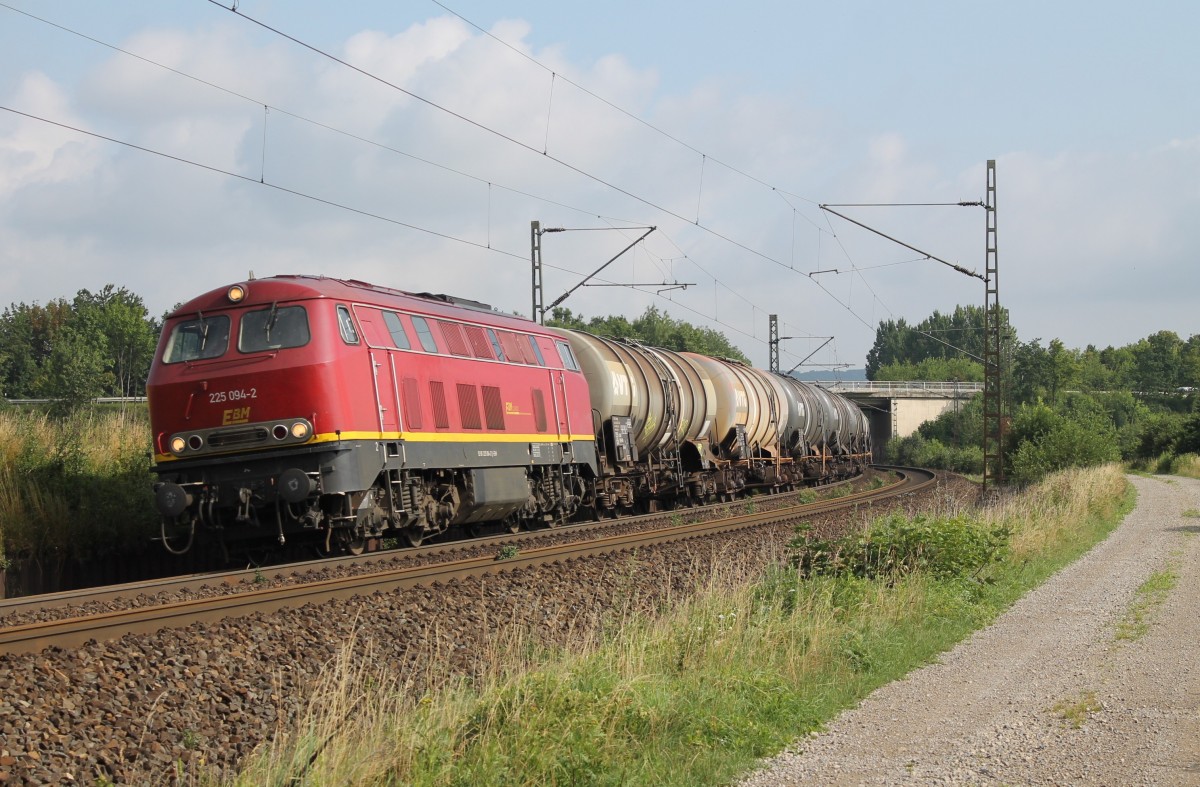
[693, 696]
[1187, 465]
[74, 488]
[1169, 464]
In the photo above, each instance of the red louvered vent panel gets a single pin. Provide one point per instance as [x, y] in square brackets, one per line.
[468, 406]
[479, 342]
[453, 334]
[493, 408]
[437, 393]
[412, 403]
[539, 409]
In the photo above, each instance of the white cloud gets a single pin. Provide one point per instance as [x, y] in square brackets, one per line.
[32, 152]
[1081, 233]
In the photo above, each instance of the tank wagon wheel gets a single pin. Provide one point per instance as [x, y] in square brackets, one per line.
[413, 536]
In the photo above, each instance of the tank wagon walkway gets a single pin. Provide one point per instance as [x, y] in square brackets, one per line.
[992, 710]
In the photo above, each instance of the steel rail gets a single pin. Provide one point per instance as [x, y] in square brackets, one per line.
[73, 632]
[231, 578]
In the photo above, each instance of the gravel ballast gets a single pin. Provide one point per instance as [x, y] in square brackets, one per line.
[1050, 693]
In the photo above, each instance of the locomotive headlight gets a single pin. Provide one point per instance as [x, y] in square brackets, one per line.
[236, 293]
[300, 430]
[178, 444]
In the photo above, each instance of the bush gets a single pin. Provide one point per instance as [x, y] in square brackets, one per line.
[940, 546]
[917, 451]
[1043, 440]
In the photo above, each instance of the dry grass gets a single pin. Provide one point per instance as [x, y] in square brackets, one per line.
[1187, 465]
[1049, 513]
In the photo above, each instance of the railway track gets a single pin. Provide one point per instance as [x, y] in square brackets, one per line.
[516, 552]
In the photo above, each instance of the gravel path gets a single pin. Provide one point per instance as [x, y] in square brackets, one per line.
[1049, 694]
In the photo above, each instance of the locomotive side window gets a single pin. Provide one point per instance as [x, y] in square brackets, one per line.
[275, 328]
[346, 326]
[396, 329]
[496, 344]
[424, 335]
[568, 359]
[537, 351]
[198, 339]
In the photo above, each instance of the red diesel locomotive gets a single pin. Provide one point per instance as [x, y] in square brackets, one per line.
[341, 412]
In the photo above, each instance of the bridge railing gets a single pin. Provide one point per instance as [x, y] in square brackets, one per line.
[902, 387]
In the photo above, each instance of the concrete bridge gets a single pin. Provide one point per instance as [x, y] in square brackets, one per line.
[897, 408]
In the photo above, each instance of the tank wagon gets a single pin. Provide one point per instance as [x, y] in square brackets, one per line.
[304, 407]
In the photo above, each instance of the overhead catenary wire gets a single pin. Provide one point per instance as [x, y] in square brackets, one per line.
[266, 184]
[521, 256]
[268, 109]
[610, 104]
[526, 146]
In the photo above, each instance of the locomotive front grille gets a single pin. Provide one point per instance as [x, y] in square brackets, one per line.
[225, 438]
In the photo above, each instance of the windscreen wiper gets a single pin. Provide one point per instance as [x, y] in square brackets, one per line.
[203, 330]
[271, 319]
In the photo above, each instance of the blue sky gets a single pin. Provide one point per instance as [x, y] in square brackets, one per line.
[1088, 108]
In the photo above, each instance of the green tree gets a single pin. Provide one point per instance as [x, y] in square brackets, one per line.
[958, 334]
[1189, 363]
[1120, 362]
[1093, 374]
[76, 371]
[1063, 366]
[27, 336]
[114, 322]
[945, 369]
[1029, 377]
[653, 328]
[1157, 362]
[1044, 439]
[129, 335]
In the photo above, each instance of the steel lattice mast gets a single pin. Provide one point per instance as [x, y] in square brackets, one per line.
[993, 322]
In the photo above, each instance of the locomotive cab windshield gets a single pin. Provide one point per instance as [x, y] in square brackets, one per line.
[198, 339]
[276, 328]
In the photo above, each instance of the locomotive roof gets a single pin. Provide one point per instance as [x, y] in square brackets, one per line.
[292, 287]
